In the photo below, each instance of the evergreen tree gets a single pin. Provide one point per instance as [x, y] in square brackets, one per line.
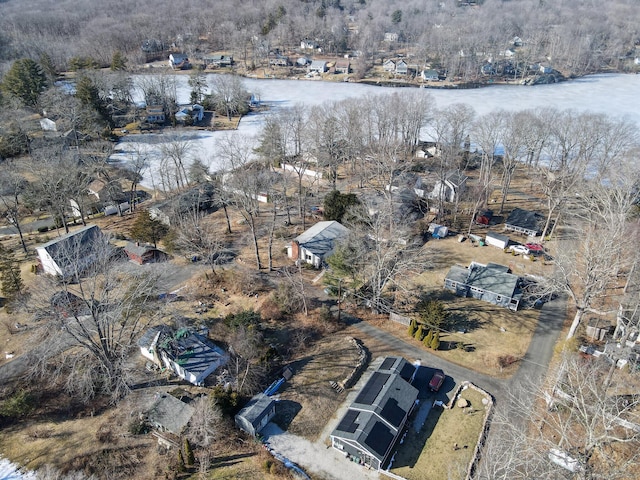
[427, 339]
[147, 229]
[412, 327]
[26, 80]
[433, 313]
[336, 204]
[189, 457]
[89, 95]
[118, 61]
[9, 273]
[181, 466]
[419, 335]
[48, 67]
[435, 341]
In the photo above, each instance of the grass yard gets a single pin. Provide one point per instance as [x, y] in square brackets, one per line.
[495, 337]
[307, 401]
[444, 446]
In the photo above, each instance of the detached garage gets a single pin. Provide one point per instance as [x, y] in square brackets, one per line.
[497, 240]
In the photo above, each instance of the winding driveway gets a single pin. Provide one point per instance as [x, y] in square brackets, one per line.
[532, 367]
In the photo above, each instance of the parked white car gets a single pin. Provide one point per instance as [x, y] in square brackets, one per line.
[519, 249]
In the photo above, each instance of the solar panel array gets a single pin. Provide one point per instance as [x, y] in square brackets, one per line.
[372, 389]
[348, 422]
[380, 439]
[388, 363]
[392, 412]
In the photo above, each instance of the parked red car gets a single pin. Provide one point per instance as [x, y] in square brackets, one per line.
[535, 247]
[436, 380]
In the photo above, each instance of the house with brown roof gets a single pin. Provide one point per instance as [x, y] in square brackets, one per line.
[142, 254]
[342, 66]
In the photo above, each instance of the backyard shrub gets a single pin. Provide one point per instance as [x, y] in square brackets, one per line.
[412, 328]
[19, 404]
[138, 427]
[189, 457]
[243, 318]
[435, 341]
[419, 335]
[426, 341]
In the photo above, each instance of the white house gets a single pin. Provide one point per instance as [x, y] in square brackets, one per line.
[449, 188]
[71, 254]
[307, 44]
[319, 66]
[429, 75]
[187, 354]
[317, 243]
[195, 112]
[179, 61]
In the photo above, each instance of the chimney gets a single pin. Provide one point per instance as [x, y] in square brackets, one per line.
[295, 250]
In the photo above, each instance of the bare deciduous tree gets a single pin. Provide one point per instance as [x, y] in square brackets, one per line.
[577, 429]
[94, 315]
[203, 427]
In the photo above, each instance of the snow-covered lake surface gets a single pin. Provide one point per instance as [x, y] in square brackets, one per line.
[9, 471]
[613, 94]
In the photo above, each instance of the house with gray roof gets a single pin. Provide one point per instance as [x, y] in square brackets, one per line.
[317, 243]
[256, 414]
[189, 355]
[168, 414]
[376, 418]
[72, 254]
[319, 66]
[492, 283]
[525, 221]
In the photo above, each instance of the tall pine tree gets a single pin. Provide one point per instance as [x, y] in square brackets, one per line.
[9, 273]
[26, 80]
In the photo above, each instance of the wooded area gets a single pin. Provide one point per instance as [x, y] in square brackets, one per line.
[574, 37]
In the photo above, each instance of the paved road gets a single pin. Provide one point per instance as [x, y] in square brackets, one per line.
[533, 366]
[27, 227]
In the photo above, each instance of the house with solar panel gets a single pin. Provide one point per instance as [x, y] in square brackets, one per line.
[375, 420]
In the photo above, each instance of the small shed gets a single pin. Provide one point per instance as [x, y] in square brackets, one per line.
[142, 254]
[598, 328]
[256, 414]
[497, 240]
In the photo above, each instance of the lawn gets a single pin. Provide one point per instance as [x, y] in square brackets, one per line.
[444, 446]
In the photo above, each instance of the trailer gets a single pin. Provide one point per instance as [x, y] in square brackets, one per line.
[497, 240]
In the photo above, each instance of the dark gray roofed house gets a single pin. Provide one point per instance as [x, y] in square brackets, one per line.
[168, 414]
[525, 221]
[492, 283]
[73, 253]
[189, 355]
[316, 243]
[376, 418]
[256, 414]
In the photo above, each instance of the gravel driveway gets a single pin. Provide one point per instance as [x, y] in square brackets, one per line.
[315, 458]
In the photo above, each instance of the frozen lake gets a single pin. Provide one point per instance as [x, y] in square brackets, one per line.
[9, 471]
[613, 94]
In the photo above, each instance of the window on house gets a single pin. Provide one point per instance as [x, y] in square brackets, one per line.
[498, 298]
[308, 257]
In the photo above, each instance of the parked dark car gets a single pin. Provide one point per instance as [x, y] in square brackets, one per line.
[436, 380]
